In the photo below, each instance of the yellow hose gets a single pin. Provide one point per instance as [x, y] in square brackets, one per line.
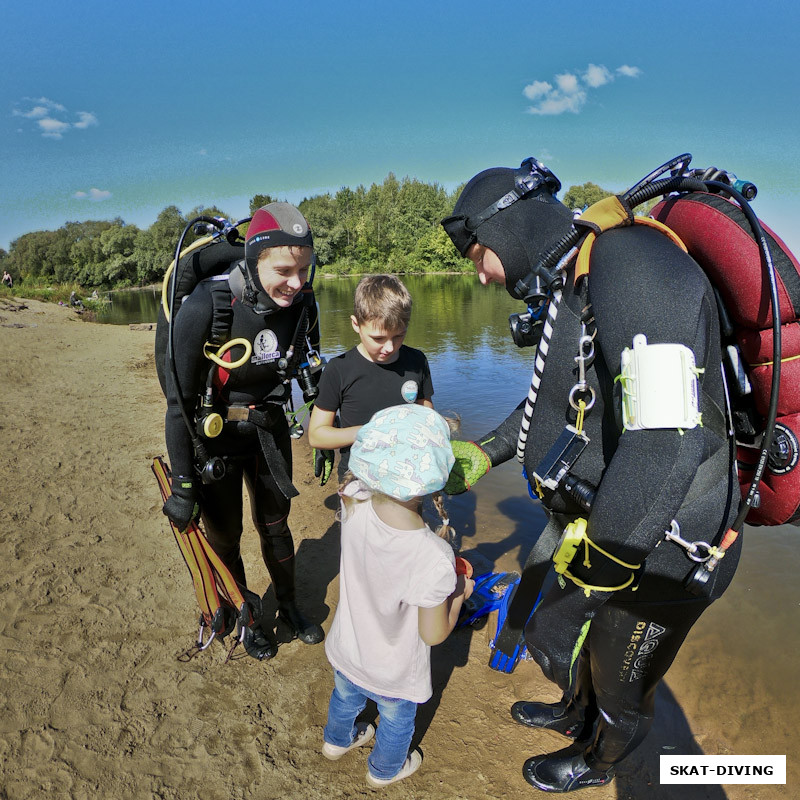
[217, 357]
[165, 284]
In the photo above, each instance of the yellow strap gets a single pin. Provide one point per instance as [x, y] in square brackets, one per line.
[588, 587]
[585, 251]
[607, 213]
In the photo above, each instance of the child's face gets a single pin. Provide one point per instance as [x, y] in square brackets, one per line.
[283, 271]
[378, 344]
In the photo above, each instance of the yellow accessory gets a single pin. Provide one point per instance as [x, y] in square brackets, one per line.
[574, 535]
[165, 285]
[607, 214]
[217, 357]
[212, 425]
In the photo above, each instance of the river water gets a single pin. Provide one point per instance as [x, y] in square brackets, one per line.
[738, 665]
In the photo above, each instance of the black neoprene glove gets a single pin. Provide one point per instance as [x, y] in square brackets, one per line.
[181, 506]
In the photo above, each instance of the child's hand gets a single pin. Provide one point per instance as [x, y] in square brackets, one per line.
[464, 586]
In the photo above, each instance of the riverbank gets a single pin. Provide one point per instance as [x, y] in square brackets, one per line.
[97, 605]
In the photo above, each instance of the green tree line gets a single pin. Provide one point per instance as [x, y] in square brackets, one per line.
[390, 227]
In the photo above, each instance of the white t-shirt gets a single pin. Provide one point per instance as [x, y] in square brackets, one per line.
[385, 575]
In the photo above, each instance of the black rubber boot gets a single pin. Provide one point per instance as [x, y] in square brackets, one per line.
[307, 632]
[564, 771]
[561, 717]
[258, 644]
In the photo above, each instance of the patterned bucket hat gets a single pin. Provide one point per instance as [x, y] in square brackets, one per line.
[403, 451]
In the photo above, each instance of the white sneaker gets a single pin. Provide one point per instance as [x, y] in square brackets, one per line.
[364, 733]
[412, 764]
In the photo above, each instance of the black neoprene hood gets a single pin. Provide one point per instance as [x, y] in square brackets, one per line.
[518, 234]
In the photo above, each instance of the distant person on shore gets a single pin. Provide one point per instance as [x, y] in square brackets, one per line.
[75, 301]
[8, 280]
[380, 371]
[398, 589]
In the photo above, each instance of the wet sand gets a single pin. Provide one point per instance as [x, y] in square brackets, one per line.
[97, 605]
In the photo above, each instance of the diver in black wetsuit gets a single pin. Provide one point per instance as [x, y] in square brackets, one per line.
[606, 650]
[274, 310]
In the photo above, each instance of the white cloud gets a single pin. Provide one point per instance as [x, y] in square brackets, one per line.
[52, 119]
[537, 89]
[567, 83]
[94, 195]
[570, 92]
[597, 76]
[52, 128]
[85, 120]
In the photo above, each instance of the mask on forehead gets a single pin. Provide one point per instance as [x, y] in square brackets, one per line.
[512, 212]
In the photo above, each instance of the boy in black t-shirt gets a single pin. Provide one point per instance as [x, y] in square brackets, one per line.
[377, 373]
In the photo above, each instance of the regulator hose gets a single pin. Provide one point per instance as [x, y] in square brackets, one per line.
[772, 411]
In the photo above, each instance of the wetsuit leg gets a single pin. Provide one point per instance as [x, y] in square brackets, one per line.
[631, 647]
[270, 511]
[221, 505]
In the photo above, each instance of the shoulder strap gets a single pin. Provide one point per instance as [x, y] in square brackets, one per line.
[585, 251]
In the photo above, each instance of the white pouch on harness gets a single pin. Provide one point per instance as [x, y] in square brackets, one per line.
[659, 386]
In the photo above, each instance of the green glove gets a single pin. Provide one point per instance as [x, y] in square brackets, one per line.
[323, 464]
[471, 463]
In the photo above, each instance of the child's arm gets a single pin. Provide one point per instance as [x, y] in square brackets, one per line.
[323, 435]
[436, 623]
[426, 403]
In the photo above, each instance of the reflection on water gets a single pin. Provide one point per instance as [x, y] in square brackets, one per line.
[737, 669]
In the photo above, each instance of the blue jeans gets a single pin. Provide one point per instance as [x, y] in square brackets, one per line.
[394, 733]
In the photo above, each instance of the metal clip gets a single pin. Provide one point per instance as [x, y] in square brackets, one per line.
[585, 356]
[692, 548]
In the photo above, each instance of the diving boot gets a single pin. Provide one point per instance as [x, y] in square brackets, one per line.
[258, 643]
[563, 718]
[564, 771]
[307, 632]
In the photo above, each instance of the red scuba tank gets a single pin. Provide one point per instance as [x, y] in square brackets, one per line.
[718, 237]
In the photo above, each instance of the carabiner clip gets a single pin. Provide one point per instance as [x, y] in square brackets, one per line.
[585, 355]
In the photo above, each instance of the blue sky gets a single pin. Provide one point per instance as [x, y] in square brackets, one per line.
[118, 110]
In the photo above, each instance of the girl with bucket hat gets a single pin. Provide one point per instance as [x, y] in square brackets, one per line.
[398, 589]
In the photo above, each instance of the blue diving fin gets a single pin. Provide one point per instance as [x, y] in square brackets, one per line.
[490, 587]
[508, 645]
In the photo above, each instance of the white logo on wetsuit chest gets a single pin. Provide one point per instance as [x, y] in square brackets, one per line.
[265, 348]
[409, 391]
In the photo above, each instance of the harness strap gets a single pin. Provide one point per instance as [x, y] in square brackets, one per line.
[605, 215]
[276, 463]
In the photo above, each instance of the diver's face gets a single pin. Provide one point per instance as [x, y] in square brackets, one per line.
[283, 271]
[487, 264]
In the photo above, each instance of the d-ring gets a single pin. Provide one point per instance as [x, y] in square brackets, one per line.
[578, 389]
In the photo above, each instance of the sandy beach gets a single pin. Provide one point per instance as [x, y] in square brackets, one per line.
[97, 605]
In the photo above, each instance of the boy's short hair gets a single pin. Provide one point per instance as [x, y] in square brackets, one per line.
[382, 299]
